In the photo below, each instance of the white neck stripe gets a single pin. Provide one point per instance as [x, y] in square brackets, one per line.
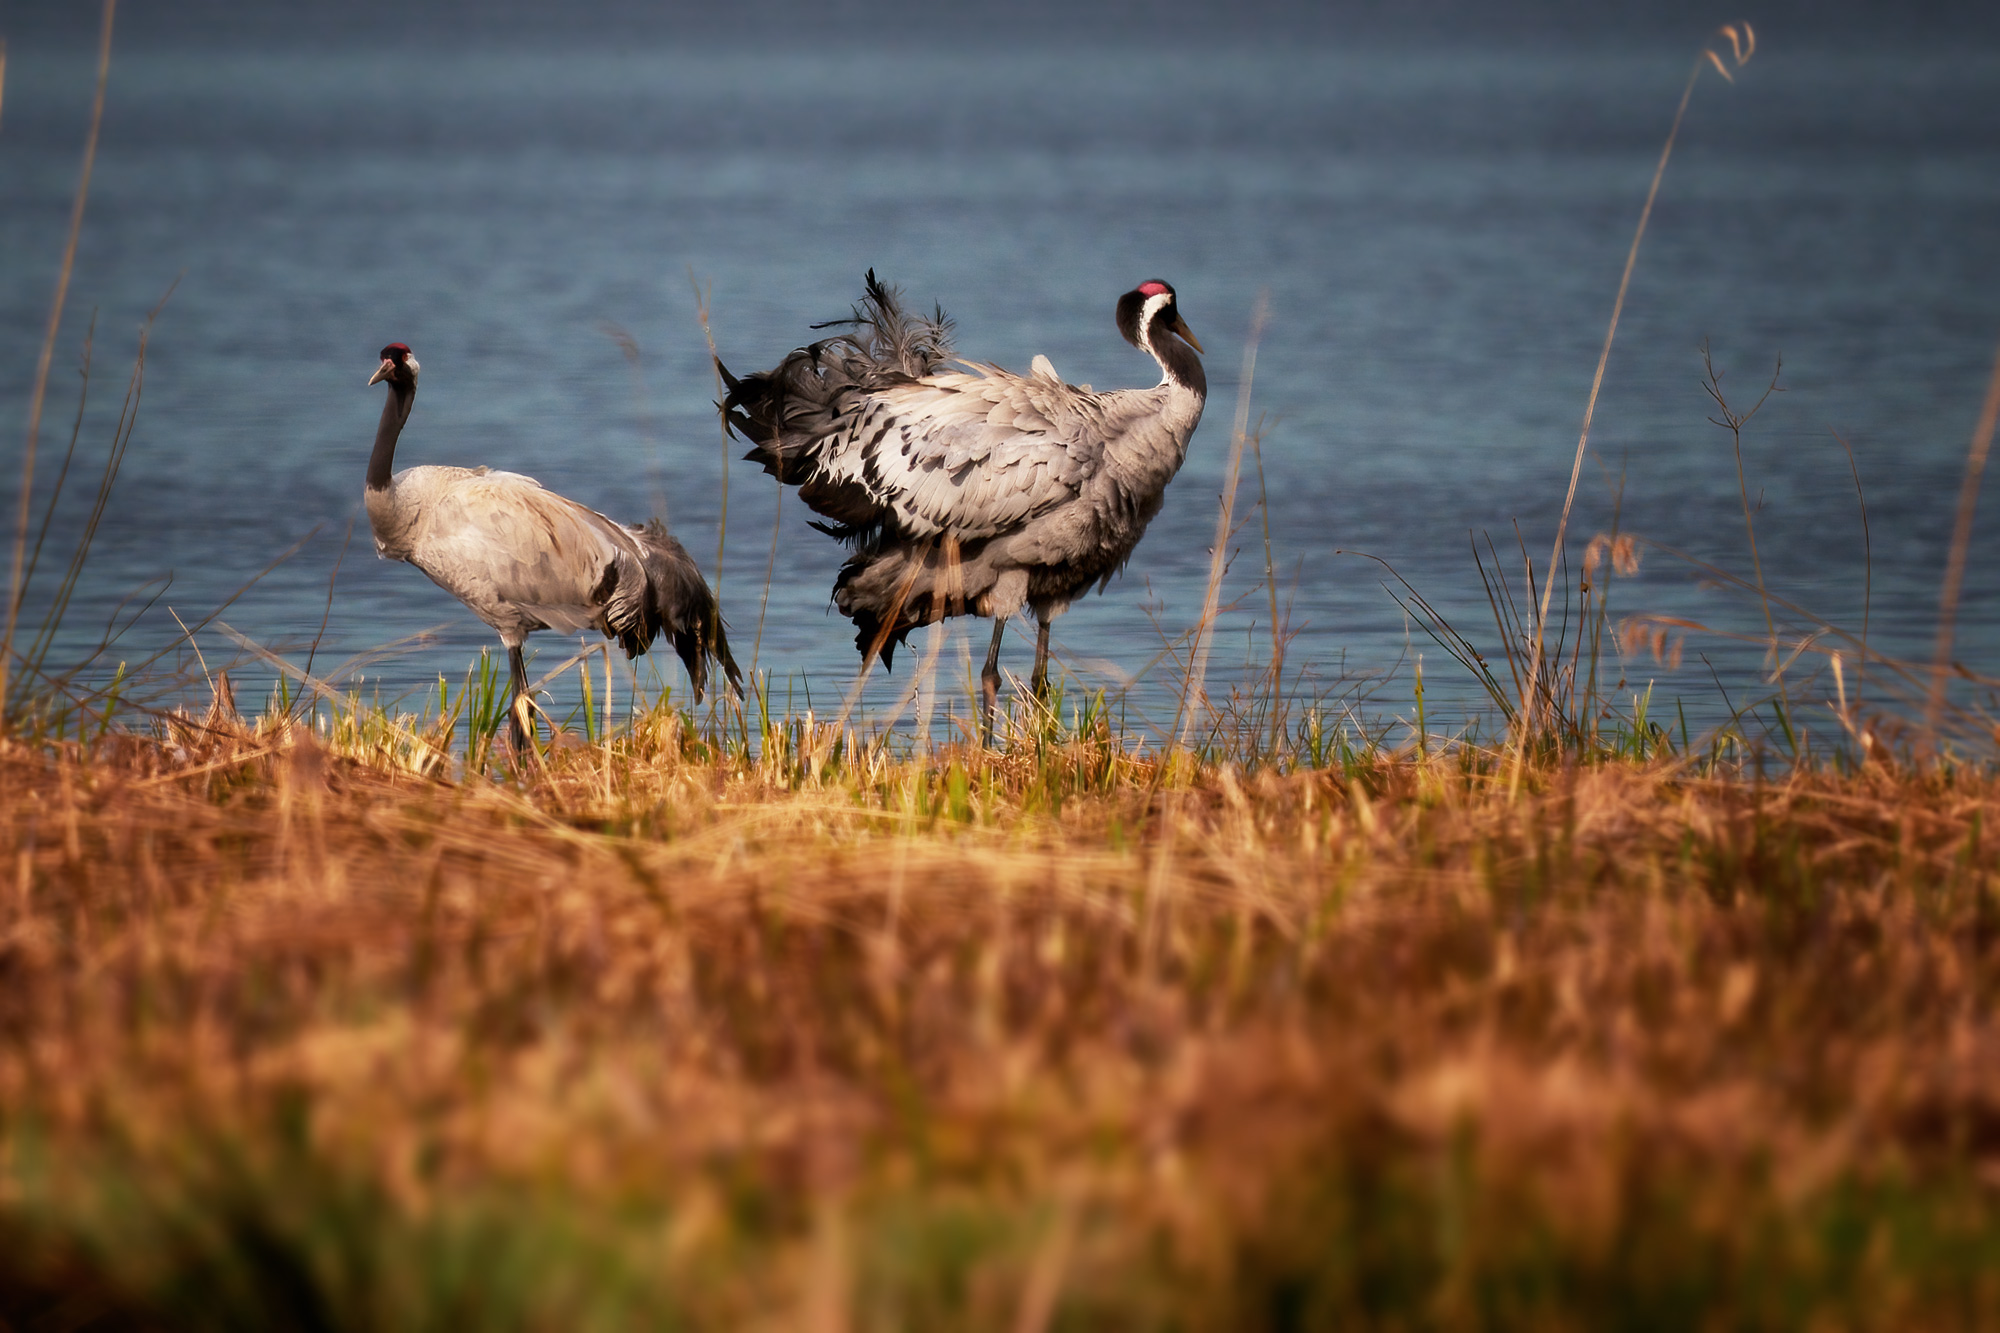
[1148, 313]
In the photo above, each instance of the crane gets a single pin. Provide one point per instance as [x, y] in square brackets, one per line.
[969, 491]
[524, 559]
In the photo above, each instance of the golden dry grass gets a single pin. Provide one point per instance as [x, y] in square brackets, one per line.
[297, 1031]
[1008, 1042]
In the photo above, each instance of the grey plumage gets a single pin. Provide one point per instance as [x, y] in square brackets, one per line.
[679, 604]
[973, 490]
[524, 559]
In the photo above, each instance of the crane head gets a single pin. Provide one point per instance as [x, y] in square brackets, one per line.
[398, 366]
[1148, 306]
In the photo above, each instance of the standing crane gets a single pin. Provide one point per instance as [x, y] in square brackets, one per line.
[525, 559]
[974, 491]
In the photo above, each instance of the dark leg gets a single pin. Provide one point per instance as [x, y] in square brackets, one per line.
[517, 695]
[1041, 676]
[989, 680]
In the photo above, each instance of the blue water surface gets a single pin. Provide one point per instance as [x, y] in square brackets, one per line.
[1440, 235]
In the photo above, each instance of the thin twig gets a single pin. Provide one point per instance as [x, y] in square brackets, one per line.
[715, 362]
[717, 701]
[1191, 693]
[14, 588]
[331, 579]
[630, 347]
[69, 456]
[1530, 712]
[1734, 424]
[199, 658]
[1271, 583]
[1961, 539]
[770, 573]
[1868, 556]
[889, 622]
[121, 440]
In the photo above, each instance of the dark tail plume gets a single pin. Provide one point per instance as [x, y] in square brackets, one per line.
[782, 411]
[679, 604]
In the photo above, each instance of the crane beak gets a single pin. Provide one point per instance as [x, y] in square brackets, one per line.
[383, 371]
[1179, 327]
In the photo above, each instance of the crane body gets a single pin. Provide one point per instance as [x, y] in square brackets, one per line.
[970, 491]
[523, 558]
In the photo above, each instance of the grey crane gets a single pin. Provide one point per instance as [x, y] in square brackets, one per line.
[973, 491]
[524, 559]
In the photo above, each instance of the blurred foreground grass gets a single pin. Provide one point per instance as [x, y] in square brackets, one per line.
[1044, 1039]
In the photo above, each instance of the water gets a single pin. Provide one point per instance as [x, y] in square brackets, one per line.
[1441, 237]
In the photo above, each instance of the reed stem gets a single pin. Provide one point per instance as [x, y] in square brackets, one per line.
[1530, 713]
[1225, 524]
[1961, 540]
[15, 590]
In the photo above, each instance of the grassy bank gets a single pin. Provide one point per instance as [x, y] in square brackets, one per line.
[833, 1039]
[327, 1021]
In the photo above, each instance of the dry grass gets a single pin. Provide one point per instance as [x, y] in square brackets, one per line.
[1010, 1041]
[311, 1024]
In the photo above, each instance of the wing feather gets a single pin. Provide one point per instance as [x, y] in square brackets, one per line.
[974, 453]
[499, 539]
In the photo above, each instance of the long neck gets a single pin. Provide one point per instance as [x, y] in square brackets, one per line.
[395, 411]
[1179, 362]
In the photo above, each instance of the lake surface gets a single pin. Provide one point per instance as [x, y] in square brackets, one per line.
[1441, 237]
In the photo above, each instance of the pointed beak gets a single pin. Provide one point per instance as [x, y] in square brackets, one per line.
[383, 371]
[1179, 327]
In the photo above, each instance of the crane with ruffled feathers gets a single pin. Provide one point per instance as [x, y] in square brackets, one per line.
[969, 490]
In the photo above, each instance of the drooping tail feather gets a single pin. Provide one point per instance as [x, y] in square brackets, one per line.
[890, 590]
[679, 604]
[782, 411]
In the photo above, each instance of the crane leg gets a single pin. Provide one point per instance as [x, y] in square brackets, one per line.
[1041, 676]
[517, 694]
[989, 681]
